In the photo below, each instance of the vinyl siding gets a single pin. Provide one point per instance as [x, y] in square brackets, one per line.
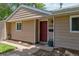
[63, 36]
[26, 34]
[2, 30]
[25, 14]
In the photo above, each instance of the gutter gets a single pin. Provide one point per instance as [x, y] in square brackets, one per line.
[53, 33]
[65, 12]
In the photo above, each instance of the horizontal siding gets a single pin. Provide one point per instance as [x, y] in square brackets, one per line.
[26, 34]
[26, 13]
[2, 31]
[63, 36]
[67, 45]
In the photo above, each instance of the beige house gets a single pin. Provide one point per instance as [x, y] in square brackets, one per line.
[33, 25]
[66, 27]
[30, 25]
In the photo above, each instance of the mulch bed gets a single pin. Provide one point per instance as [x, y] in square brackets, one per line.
[67, 51]
[57, 52]
[41, 52]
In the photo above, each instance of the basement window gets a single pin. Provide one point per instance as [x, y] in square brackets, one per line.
[18, 26]
[74, 24]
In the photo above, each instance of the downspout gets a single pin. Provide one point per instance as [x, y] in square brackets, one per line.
[53, 32]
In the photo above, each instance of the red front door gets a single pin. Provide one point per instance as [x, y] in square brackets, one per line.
[43, 31]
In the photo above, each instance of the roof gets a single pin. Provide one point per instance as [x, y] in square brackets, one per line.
[66, 10]
[26, 12]
[18, 14]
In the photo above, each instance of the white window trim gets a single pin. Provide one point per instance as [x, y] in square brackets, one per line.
[71, 24]
[16, 26]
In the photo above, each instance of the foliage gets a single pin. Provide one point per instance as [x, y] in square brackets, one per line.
[7, 9]
[40, 5]
[36, 5]
[4, 11]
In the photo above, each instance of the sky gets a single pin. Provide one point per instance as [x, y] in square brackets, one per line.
[53, 6]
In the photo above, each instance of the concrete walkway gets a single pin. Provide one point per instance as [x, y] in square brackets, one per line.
[18, 45]
[24, 49]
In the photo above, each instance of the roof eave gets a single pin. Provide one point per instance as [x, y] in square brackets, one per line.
[48, 13]
[65, 12]
[36, 9]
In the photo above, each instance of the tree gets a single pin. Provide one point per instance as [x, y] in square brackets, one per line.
[7, 9]
[13, 6]
[39, 5]
[4, 11]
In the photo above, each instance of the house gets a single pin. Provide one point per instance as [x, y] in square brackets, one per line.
[36, 26]
[66, 27]
[29, 24]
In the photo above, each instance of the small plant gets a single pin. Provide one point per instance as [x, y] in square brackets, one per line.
[50, 42]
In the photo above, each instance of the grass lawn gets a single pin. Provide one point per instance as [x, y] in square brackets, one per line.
[6, 48]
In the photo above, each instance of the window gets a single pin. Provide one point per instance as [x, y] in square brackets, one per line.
[74, 23]
[18, 26]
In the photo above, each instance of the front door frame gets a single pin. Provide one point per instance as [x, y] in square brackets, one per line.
[47, 31]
